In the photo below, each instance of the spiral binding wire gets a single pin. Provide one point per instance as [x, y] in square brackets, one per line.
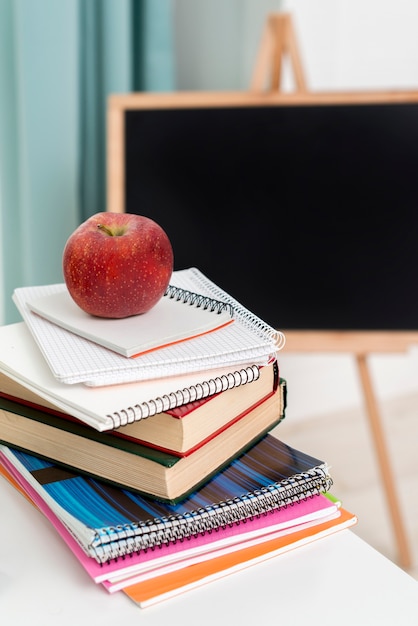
[247, 317]
[119, 542]
[198, 300]
[183, 396]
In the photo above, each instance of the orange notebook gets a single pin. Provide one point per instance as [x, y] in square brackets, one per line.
[169, 585]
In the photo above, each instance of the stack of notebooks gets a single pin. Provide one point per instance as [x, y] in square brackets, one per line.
[149, 438]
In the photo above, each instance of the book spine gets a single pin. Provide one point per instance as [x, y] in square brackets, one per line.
[114, 543]
[183, 396]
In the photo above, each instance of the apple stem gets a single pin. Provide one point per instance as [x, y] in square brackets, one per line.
[105, 229]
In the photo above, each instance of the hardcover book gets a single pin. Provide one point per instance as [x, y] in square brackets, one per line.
[128, 463]
[183, 429]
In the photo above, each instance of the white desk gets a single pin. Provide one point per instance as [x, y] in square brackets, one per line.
[338, 580]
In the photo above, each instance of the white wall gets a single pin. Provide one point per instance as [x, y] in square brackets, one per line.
[356, 44]
[344, 44]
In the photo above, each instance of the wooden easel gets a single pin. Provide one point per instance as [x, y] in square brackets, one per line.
[279, 39]
[277, 42]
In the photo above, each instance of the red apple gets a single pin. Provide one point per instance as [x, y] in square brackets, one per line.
[117, 264]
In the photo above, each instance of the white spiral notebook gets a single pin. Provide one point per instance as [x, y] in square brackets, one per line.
[108, 407]
[74, 359]
[179, 315]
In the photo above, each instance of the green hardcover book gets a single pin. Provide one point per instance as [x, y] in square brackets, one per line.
[127, 463]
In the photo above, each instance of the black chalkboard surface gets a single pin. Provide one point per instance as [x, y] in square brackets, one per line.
[303, 208]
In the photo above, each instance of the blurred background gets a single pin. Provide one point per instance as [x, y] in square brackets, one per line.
[60, 60]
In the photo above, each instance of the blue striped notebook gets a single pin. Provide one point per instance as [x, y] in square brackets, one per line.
[108, 522]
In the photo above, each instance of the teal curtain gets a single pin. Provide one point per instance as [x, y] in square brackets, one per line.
[59, 60]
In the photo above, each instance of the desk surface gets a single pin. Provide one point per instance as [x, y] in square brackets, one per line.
[337, 580]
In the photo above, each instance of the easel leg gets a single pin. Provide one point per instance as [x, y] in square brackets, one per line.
[383, 459]
[278, 39]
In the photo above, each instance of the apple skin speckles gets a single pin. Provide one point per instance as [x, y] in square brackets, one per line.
[117, 264]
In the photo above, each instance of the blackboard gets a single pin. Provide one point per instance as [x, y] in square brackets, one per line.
[303, 208]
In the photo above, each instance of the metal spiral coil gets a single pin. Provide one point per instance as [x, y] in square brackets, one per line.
[184, 396]
[198, 300]
[122, 541]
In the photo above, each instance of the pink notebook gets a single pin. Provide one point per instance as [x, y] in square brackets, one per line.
[145, 565]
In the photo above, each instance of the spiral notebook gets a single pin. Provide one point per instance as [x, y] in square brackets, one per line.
[109, 523]
[175, 556]
[167, 585]
[167, 323]
[73, 359]
[177, 431]
[106, 408]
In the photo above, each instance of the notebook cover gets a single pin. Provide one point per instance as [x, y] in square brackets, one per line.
[175, 318]
[39, 411]
[166, 586]
[110, 406]
[122, 572]
[269, 475]
[248, 340]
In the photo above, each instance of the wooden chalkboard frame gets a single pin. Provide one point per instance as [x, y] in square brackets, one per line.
[119, 105]
[359, 343]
